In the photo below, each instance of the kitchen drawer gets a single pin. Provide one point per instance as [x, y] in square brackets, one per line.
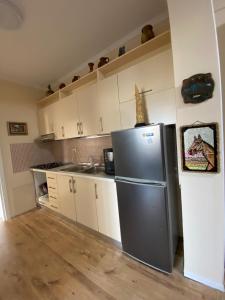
[54, 206]
[53, 198]
[52, 187]
[51, 176]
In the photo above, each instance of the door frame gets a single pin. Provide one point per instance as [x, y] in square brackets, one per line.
[3, 191]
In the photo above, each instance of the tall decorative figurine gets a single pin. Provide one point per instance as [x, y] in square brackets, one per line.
[140, 109]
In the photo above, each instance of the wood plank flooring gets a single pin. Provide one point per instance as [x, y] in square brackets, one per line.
[43, 256]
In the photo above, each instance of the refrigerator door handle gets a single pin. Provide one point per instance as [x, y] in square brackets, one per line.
[152, 183]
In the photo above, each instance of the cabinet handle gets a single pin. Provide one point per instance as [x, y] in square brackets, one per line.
[78, 130]
[53, 197]
[74, 186]
[96, 192]
[52, 188]
[63, 132]
[50, 177]
[70, 186]
[101, 124]
[81, 127]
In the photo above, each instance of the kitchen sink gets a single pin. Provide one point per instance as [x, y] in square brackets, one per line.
[94, 170]
[87, 169]
[79, 168]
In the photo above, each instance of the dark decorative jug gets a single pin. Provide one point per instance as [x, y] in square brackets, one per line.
[147, 33]
[103, 60]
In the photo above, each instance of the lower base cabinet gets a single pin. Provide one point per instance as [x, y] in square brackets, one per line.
[66, 192]
[107, 209]
[91, 202]
[85, 203]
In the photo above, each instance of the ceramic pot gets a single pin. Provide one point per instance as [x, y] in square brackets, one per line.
[62, 85]
[75, 78]
[103, 60]
[147, 33]
[91, 66]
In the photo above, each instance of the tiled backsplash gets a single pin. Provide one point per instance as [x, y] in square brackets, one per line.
[25, 155]
[80, 150]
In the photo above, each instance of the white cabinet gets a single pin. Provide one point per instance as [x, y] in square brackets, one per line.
[108, 103]
[67, 118]
[107, 209]
[154, 73]
[86, 202]
[46, 119]
[160, 108]
[53, 202]
[88, 109]
[66, 192]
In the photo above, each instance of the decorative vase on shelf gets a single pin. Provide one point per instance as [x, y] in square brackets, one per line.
[147, 33]
[140, 109]
[62, 85]
[122, 50]
[102, 61]
[49, 91]
[91, 66]
[75, 78]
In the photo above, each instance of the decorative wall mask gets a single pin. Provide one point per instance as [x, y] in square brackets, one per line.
[197, 88]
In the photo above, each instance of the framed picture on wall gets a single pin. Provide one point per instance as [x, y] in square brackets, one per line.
[17, 128]
[199, 148]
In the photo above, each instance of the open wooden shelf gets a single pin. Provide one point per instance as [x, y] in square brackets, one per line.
[159, 41]
[153, 44]
[82, 81]
[49, 98]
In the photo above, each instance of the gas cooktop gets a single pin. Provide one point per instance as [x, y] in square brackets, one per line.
[48, 166]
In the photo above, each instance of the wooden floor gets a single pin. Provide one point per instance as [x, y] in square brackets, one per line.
[43, 256]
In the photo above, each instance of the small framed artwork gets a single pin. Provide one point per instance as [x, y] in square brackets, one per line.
[199, 148]
[17, 128]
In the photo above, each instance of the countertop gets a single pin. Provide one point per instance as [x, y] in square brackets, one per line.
[59, 170]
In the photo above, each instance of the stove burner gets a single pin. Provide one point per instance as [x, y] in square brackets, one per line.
[48, 166]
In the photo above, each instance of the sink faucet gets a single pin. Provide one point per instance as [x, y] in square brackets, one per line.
[91, 160]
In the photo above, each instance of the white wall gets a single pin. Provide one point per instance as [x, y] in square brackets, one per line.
[219, 8]
[195, 50]
[17, 103]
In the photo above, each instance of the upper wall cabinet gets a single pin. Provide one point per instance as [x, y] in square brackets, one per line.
[88, 110]
[46, 119]
[108, 104]
[67, 118]
[154, 73]
[160, 108]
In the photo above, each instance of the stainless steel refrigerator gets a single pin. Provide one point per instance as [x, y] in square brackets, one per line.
[147, 187]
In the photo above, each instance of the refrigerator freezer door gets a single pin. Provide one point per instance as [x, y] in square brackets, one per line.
[138, 153]
[144, 223]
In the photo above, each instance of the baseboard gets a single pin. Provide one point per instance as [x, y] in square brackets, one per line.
[205, 281]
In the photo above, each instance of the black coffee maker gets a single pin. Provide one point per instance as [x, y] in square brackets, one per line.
[109, 161]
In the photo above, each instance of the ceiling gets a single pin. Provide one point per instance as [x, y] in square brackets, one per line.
[57, 36]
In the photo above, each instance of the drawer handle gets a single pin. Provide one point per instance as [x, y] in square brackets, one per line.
[50, 187]
[54, 206]
[52, 197]
[50, 177]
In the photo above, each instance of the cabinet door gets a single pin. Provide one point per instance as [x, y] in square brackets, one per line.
[108, 104]
[160, 108]
[67, 117]
[154, 73]
[107, 209]
[46, 119]
[88, 109]
[66, 196]
[86, 202]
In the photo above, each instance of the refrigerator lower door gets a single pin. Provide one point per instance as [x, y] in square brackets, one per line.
[144, 223]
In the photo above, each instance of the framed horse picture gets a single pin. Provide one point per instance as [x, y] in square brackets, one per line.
[199, 148]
